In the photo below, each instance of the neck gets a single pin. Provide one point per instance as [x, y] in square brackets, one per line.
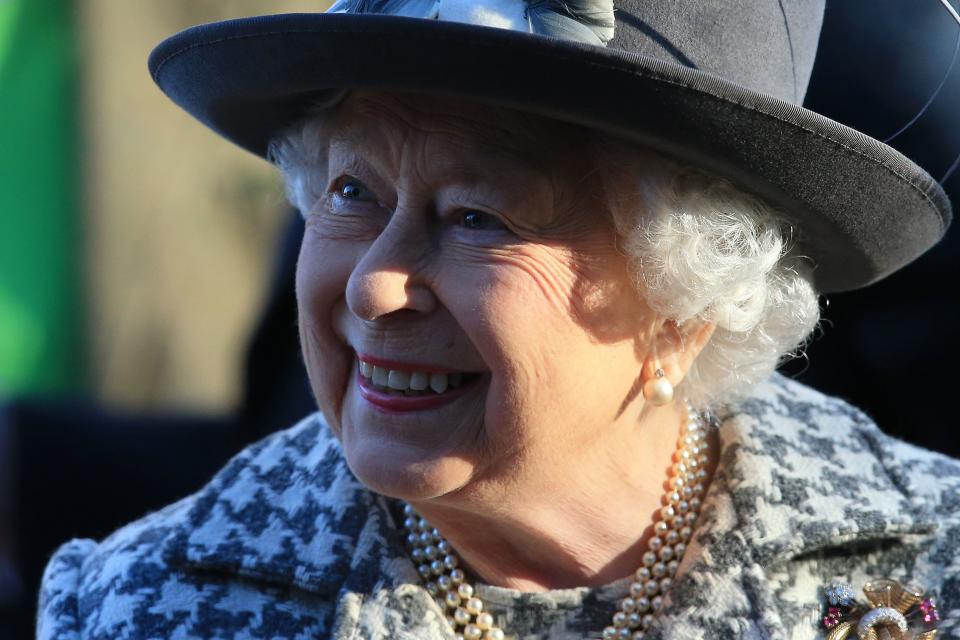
[584, 526]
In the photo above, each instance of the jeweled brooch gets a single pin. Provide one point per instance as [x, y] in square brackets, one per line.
[893, 611]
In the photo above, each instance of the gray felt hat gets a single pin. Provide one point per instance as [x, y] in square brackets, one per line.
[716, 83]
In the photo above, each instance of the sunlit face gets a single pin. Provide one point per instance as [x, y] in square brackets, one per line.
[464, 243]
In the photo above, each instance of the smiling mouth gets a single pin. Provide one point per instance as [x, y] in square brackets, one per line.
[409, 383]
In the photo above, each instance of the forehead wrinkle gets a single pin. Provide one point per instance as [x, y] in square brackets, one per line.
[458, 155]
[505, 133]
[487, 125]
[350, 143]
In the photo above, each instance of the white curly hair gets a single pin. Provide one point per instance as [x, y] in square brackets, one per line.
[701, 250]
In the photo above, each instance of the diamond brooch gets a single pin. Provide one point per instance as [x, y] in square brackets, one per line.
[893, 611]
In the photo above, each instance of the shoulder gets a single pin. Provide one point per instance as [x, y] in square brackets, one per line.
[811, 425]
[152, 576]
[82, 567]
[58, 607]
[929, 478]
[846, 488]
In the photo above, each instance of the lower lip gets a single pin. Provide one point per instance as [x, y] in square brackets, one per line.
[389, 403]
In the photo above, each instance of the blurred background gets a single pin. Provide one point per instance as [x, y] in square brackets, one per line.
[137, 257]
[147, 327]
[134, 243]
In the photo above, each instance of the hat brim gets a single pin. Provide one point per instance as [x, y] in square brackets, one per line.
[862, 209]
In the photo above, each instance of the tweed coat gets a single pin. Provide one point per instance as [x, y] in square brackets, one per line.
[285, 543]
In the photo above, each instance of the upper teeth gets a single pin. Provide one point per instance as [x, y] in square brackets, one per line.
[410, 380]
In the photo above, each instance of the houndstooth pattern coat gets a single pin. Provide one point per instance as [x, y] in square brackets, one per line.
[285, 543]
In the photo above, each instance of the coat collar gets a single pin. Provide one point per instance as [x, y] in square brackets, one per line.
[286, 511]
[799, 472]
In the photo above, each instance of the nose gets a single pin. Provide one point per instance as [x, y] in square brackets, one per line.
[389, 276]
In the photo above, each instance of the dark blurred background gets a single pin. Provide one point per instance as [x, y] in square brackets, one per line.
[892, 348]
[147, 321]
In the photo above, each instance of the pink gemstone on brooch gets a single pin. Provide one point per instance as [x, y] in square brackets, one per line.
[832, 618]
[929, 610]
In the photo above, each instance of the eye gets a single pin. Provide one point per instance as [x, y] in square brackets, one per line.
[481, 221]
[352, 189]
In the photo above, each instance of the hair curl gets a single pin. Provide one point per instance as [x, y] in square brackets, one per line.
[703, 250]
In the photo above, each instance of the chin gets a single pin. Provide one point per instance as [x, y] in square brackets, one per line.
[404, 471]
[412, 457]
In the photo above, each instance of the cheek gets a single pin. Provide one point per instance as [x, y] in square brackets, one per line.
[542, 316]
[323, 268]
[504, 277]
[585, 294]
[606, 303]
[318, 277]
[517, 310]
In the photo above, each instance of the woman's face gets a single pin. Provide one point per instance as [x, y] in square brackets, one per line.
[464, 246]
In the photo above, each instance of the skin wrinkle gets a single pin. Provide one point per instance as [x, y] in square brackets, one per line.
[573, 224]
[342, 227]
[310, 341]
[452, 127]
[531, 455]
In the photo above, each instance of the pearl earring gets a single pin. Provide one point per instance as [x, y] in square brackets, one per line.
[658, 389]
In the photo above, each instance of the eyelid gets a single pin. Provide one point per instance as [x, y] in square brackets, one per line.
[356, 168]
[459, 203]
[458, 206]
[507, 234]
[497, 218]
[337, 185]
[335, 192]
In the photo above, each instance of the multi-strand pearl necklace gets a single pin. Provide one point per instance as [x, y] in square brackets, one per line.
[439, 565]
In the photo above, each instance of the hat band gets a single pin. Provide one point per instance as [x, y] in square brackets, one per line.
[587, 21]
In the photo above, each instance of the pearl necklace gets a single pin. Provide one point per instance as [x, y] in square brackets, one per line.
[439, 565]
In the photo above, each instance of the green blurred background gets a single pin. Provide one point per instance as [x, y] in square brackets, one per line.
[111, 199]
[41, 301]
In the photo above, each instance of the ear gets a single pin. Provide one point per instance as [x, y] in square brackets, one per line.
[675, 349]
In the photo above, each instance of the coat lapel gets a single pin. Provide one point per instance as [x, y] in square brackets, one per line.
[286, 511]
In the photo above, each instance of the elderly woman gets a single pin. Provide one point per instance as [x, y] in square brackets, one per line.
[545, 281]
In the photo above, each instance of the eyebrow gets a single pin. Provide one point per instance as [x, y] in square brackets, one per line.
[513, 166]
